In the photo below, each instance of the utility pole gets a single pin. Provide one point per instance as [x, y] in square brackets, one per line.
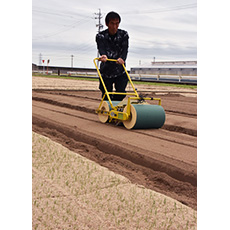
[40, 59]
[72, 61]
[99, 25]
[48, 61]
[99, 17]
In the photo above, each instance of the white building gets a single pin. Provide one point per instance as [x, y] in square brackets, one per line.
[182, 68]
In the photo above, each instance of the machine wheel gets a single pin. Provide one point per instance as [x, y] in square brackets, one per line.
[105, 107]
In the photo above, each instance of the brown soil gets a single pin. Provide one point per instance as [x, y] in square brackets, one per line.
[164, 160]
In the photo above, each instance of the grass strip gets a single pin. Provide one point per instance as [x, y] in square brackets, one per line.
[135, 82]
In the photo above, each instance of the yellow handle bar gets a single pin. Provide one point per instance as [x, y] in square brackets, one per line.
[94, 60]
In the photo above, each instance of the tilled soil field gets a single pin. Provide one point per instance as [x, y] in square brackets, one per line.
[164, 160]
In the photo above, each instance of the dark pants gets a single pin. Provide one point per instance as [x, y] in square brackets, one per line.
[120, 83]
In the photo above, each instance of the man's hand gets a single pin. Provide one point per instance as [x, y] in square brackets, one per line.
[103, 58]
[120, 61]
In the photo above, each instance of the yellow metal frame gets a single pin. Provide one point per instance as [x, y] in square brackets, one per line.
[114, 113]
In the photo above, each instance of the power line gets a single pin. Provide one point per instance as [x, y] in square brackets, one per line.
[61, 14]
[161, 10]
[62, 30]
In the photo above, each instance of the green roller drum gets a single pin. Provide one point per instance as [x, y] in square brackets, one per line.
[145, 116]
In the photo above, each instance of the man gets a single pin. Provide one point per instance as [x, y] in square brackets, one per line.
[113, 43]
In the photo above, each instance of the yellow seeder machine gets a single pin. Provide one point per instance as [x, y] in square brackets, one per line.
[134, 112]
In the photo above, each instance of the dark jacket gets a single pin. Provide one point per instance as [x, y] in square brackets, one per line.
[114, 47]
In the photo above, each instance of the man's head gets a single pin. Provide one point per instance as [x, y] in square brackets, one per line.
[112, 20]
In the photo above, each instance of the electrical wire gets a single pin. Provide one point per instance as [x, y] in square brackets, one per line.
[60, 14]
[62, 30]
[161, 10]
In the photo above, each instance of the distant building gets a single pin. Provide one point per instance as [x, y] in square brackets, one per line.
[184, 68]
[34, 66]
[60, 69]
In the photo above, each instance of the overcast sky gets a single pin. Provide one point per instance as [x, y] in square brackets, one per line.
[164, 29]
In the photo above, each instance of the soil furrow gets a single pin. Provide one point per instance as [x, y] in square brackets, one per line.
[137, 131]
[167, 178]
[169, 127]
[162, 159]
